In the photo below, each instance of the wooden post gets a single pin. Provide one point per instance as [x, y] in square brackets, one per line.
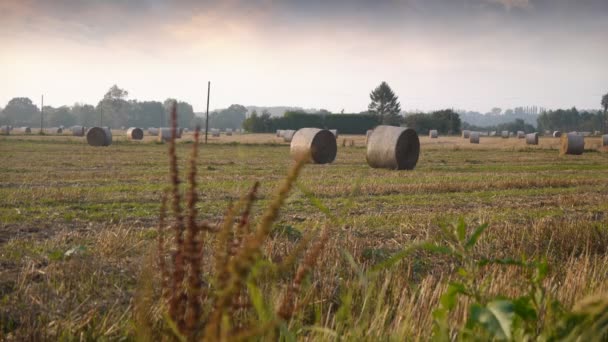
[207, 116]
[41, 113]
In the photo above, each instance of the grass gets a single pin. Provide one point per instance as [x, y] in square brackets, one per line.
[78, 226]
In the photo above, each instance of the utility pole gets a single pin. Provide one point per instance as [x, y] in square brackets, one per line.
[41, 112]
[207, 117]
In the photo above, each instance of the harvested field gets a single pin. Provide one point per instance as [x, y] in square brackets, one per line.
[76, 226]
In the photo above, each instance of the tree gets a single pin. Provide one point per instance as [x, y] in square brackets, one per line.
[385, 105]
[61, 116]
[20, 111]
[115, 93]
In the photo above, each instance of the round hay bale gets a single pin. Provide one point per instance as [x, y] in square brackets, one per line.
[572, 144]
[532, 139]
[134, 133]
[98, 136]
[557, 134]
[474, 138]
[367, 134]
[77, 131]
[215, 132]
[433, 134]
[153, 131]
[279, 133]
[24, 130]
[493, 133]
[521, 134]
[504, 134]
[5, 130]
[229, 131]
[394, 148]
[164, 134]
[315, 145]
[605, 140]
[466, 134]
[334, 132]
[288, 135]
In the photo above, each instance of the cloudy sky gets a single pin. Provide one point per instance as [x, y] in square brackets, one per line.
[469, 54]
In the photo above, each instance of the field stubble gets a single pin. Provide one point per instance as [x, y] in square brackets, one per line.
[77, 223]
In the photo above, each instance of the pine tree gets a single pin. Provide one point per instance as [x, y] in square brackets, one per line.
[385, 105]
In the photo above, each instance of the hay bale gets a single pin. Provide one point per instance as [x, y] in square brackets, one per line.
[288, 135]
[153, 131]
[134, 133]
[334, 132]
[474, 138]
[229, 131]
[493, 133]
[521, 134]
[557, 134]
[394, 148]
[572, 144]
[367, 134]
[98, 136]
[466, 134]
[315, 145]
[5, 130]
[24, 130]
[532, 139]
[605, 140]
[77, 131]
[164, 134]
[504, 134]
[597, 133]
[433, 134]
[215, 132]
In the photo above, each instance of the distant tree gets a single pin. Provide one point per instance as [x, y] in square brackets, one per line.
[496, 111]
[231, 117]
[115, 93]
[85, 114]
[385, 105]
[21, 111]
[61, 116]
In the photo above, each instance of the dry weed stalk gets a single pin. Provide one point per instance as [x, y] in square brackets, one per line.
[236, 247]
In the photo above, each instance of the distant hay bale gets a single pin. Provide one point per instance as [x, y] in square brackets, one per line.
[504, 134]
[153, 131]
[5, 130]
[288, 135]
[493, 133]
[597, 133]
[532, 139]
[24, 130]
[77, 131]
[279, 133]
[98, 136]
[557, 134]
[367, 134]
[394, 148]
[53, 130]
[164, 134]
[474, 138]
[521, 134]
[605, 140]
[572, 144]
[466, 134]
[315, 145]
[134, 133]
[334, 132]
[433, 134]
[229, 131]
[215, 132]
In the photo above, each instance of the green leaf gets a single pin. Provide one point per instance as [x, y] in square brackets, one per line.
[461, 230]
[475, 236]
[496, 317]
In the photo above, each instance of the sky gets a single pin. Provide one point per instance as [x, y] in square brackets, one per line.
[461, 54]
